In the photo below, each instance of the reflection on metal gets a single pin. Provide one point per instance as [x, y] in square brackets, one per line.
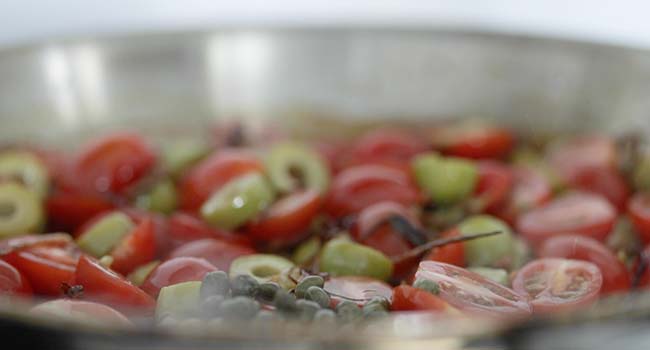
[88, 68]
[58, 79]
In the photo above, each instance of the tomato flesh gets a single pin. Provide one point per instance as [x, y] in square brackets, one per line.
[530, 190]
[184, 227]
[407, 298]
[218, 253]
[67, 211]
[45, 267]
[453, 253]
[571, 157]
[478, 142]
[176, 270]
[494, 184]
[385, 145]
[639, 211]
[137, 248]
[12, 281]
[606, 181]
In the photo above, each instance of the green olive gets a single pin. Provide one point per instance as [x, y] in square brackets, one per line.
[447, 180]
[21, 210]
[306, 252]
[179, 300]
[342, 257]
[140, 273]
[26, 169]
[521, 254]
[286, 161]
[105, 234]
[641, 175]
[496, 275]
[238, 201]
[261, 267]
[162, 198]
[179, 156]
[486, 251]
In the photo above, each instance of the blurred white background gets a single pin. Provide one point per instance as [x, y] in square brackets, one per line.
[625, 22]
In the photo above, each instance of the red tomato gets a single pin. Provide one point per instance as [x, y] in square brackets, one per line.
[287, 220]
[570, 157]
[82, 311]
[494, 184]
[68, 211]
[208, 176]
[45, 267]
[639, 211]
[478, 142]
[162, 240]
[606, 181]
[615, 275]
[358, 187]
[357, 289]
[453, 253]
[103, 285]
[12, 281]
[473, 293]
[331, 151]
[555, 284]
[385, 144]
[138, 248]
[216, 252]
[176, 270]
[185, 227]
[114, 162]
[407, 298]
[578, 212]
[530, 190]
[60, 240]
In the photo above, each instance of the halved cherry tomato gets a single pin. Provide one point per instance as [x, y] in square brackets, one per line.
[407, 298]
[287, 220]
[212, 173]
[67, 211]
[581, 213]
[385, 145]
[60, 240]
[12, 281]
[529, 191]
[163, 242]
[356, 289]
[216, 252]
[616, 278]
[81, 311]
[453, 253]
[473, 293]
[105, 286]
[639, 211]
[570, 157]
[555, 284]
[606, 181]
[46, 267]
[176, 270]
[494, 184]
[184, 227]
[355, 188]
[330, 151]
[137, 248]
[478, 142]
[113, 163]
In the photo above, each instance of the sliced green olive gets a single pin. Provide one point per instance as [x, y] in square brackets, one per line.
[162, 198]
[446, 180]
[140, 274]
[342, 257]
[262, 267]
[291, 165]
[179, 156]
[641, 175]
[238, 201]
[106, 261]
[26, 169]
[105, 234]
[21, 210]
[487, 251]
[179, 300]
[496, 275]
[521, 254]
[306, 251]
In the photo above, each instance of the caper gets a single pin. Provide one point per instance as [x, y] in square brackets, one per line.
[348, 311]
[244, 285]
[266, 291]
[307, 282]
[381, 301]
[215, 283]
[318, 295]
[21, 210]
[288, 158]
[428, 285]
[307, 309]
[325, 315]
[211, 305]
[240, 308]
[284, 301]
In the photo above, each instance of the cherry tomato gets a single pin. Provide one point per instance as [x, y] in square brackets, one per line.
[137, 248]
[453, 253]
[529, 191]
[385, 144]
[287, 220]
[113, 163]
[212, 173]
[355, 188]
[356, 289]
[555, 284]
[478, 142]
[570, 157]
[184, 227]
[494, 184]
[12, 281]
[473, 293]
[578, 212]
[67, 211]
[82, 311]
[407, 298]
[330, 151]
[60, 240]
[103, 285]
[615, 275]
[176, 270]
[639, 211]
[216, 252]
[46, 267]
[162, 240]
[606, 181]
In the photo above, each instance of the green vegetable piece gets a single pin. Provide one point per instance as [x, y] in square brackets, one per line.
[641, 175]
[244, 285]
[215, 283]
[307, 309]
[179, 300]
[447, 180]
[26, 169]
[381, 301]
[318, 295]
[486, 251]
[428, 285]
[105, 234]
[162, 198]
[262, 267]
[306, 252]
[239, 308]
[307, 282]
[347, 311]
[285, 302]
[496, 275]
[237, 202]
[267, 291]
[140, 274]
[342, 257]
[181, 155]
[21, 210]
[288, 159]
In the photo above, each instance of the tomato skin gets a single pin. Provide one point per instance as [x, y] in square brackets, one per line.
[113, 163]
[579, 213]
[176, 270]
[530, 190]
[453, 254]
[105, 286]
[545, 301]
[45, 267]
[571, 157]
[185, 227]
[385, 145]
[476, 142]
[212, 173]
[616, 278]
[83, 311]
[287, 220]
[606, 181]
[639, 212]
[494, 184]
[136, 249]
[407, 298]
[358, 187]
[13, 282]
[356, 288]
[162, 241]
[218, 253]
[67, 211]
